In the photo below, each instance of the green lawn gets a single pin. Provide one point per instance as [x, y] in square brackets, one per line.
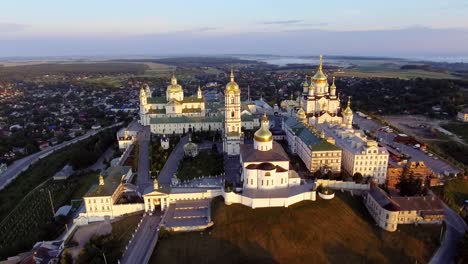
[206, 163]
[454, 193]
[335, 231]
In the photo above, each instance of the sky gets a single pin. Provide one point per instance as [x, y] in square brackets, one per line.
[205, 27]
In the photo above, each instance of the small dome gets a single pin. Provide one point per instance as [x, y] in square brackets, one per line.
[232, 86]
[263, 134]
[333, 86]
[319, 75]
[348, 110]
[174, 87]
[191, 149]
[301, 113]
[190, 146]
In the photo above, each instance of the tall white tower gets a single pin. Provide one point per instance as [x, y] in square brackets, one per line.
[232, 118]
[143, 102]
[348, 115]
[199, 93]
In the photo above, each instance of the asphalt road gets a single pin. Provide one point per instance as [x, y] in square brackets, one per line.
[22, 164]
[456, 227]
[141, 247]
[172, 163]
[436, 165]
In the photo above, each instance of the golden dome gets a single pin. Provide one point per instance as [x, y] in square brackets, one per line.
[232, 86]
[319, 75]
[263, 134]
[301, 113]
[174, 87]
[333, 86]
[348, 110]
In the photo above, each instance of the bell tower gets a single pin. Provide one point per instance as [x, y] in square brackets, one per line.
[232, 118]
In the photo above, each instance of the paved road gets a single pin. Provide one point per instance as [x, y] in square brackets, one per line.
[143, 179]
[456, 227]
[22, 164]
[172, 163]
[142, 245]
[436, 165]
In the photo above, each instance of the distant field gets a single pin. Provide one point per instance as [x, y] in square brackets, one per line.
[38, 70]
[402, 74]
[335, 231]
[108, 81]
[158, 70]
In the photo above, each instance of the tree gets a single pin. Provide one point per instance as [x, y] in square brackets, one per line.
[318, 174]
[357, 177]
[410, 185]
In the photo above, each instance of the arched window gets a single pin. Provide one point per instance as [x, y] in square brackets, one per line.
[232, 99]
[232, 114]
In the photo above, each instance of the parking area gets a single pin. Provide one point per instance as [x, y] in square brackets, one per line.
[387, 139]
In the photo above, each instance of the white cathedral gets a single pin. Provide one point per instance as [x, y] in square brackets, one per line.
[179, 114]
[319, 99]
[265, 164]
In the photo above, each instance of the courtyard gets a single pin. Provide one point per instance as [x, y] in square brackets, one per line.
[207, 163]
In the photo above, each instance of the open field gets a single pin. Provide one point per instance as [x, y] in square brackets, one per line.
[158, 70]
[401, 74]
[108, 81]
[334, 231]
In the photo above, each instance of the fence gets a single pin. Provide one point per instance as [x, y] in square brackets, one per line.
[232, 197]
[338, 185]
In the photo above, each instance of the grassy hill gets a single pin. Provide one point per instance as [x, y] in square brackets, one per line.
[336, 231]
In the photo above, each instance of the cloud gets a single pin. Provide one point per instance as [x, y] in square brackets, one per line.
[323, 24]
[192, 30]
[282, 22]
[203, 29]
[12, 27]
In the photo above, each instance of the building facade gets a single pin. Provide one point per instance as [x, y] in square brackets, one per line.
[102, 200]
[178, 114]
[388, 212]
[265, 165]
[316, 152]
[360, 154]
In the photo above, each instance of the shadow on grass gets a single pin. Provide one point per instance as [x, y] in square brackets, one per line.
[179, 248]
